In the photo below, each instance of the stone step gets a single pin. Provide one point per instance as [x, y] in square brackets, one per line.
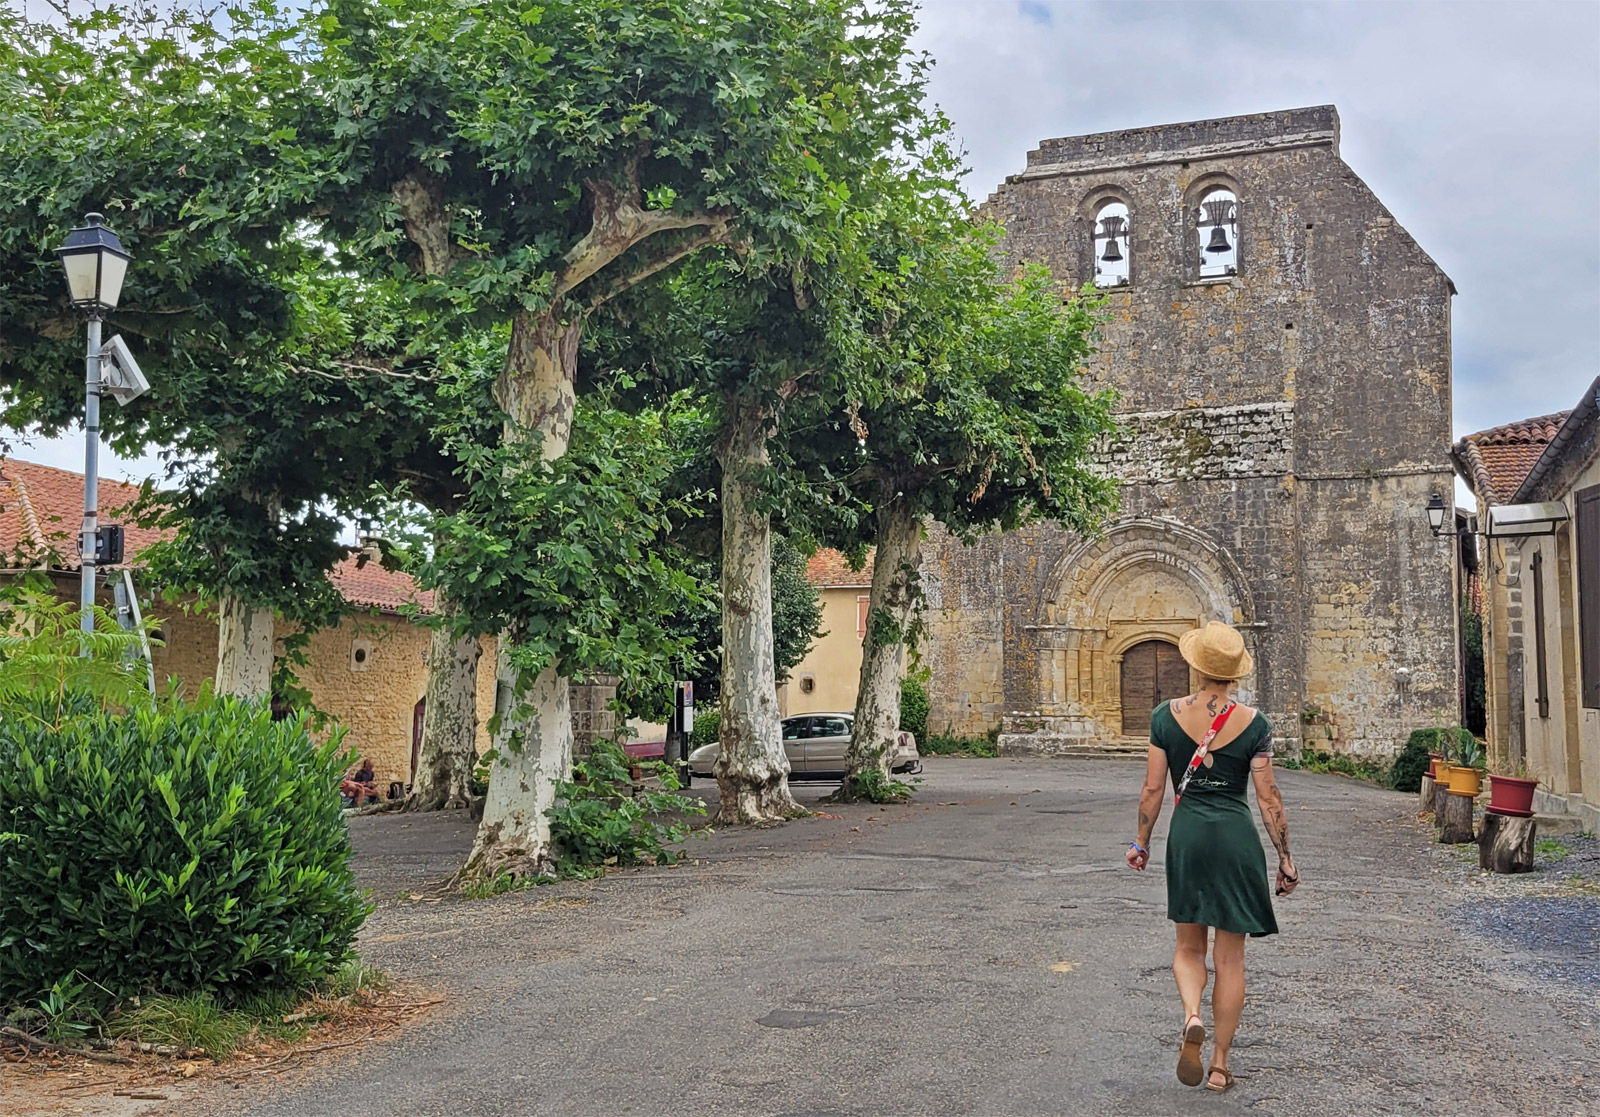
[1558, 825]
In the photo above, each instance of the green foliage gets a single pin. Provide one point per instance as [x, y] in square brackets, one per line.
[947, 744]
[1475, 715]
[567, 555]
[598, 821]
[50, 667]
[707, 726]
[1339, 764]
[914, 706]
[872, 785]
[1550, 849]
[191, 849]
[1468, 751]
[1412, 764]
[202, 1020]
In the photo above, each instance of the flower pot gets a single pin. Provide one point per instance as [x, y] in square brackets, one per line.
[1464, 781]
[1436, 765]
[1510, 795]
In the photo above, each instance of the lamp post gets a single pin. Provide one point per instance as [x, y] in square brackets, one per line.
[1436, 514]
[96, 264]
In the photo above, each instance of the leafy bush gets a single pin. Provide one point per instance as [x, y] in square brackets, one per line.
[1339, 764]
[946, 744]
[596, 821]
[707, 726]
[914, 707]
[187, 849]
[1412, 763]
[875, 787]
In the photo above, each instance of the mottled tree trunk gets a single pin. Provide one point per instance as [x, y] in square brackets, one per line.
[533, 736]
[443, 779]
[883, 652]
[751, 769]
[244, 649]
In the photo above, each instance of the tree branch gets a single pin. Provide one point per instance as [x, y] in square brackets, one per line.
[420, 199]
[715, 233]
[619, 221]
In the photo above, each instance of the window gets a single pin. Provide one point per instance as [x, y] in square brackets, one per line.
[796, 729]
[1540, 666]
[1217, 217]
[1111, 245]
[1588, 502]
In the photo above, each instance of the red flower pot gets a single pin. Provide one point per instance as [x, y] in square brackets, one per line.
[1510, 795]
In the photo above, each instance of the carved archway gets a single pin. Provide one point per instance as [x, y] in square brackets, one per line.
[1145, 579]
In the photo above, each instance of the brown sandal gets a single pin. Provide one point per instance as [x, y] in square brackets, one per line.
[1227, 1080]
[1189, 1057]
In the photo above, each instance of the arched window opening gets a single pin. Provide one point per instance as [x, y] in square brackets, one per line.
[1218, 219]
[1111, 245]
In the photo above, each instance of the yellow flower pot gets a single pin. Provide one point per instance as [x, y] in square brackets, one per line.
[1465, 781]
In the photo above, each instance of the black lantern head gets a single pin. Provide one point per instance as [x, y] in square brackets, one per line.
[1436, 513]
[95, 263]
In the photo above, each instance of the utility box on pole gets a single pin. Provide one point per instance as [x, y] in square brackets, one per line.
[680, 724]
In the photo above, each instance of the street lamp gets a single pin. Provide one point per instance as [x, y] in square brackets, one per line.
[95, 263]
[1436, 514]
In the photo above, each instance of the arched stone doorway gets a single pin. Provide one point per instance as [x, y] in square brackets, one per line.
[1152, 672]
[1108, 625]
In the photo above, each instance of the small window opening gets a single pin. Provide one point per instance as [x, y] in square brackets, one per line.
[808, 683]
[1111, 245]
[1218, 219]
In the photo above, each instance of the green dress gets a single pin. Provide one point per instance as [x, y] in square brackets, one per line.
[1216, 866]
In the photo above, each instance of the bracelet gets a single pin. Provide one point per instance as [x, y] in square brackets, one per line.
[1137, 846]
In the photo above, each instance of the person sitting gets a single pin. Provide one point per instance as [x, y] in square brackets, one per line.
[361, 786]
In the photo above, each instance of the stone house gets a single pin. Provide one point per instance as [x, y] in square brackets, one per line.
[369, 672]
[1281, 349]
[1542, 623]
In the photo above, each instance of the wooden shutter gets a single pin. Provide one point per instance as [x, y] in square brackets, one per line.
[863, 606]
[1541, 667]
[1588, 501]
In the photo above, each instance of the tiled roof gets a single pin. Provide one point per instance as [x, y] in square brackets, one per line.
[41, 513]
[371, 586]
[830, 568]
[1498, 459]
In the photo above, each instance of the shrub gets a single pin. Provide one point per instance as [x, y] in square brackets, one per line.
[596, 820]
[1356, 767]
[946, 744]
[1412, 763]
[707, 724]
[180, 850]
[914, 707]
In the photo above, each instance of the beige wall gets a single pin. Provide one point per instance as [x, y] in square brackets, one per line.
[833, 666]
[1563, 745]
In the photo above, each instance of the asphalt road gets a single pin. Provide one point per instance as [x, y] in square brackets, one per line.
[980, 951]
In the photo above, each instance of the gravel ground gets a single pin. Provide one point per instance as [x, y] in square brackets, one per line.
[980, 951]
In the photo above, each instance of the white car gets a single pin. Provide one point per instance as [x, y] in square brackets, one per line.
[815, 745]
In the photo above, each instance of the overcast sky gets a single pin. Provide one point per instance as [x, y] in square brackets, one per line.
[1477, 124]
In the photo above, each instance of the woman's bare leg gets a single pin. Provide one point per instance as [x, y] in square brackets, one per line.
[1227, 996]
[1189, 967]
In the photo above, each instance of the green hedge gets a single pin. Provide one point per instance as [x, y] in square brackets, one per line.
[1412, 763]
[914, 707]
[188, 849]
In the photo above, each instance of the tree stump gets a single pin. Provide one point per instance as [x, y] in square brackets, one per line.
[1506, 843]
[1427, 794]
[1441, 792]
[1455, 819]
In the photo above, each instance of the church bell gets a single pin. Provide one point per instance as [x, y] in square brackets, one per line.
[1219, 240]
[1113, 253]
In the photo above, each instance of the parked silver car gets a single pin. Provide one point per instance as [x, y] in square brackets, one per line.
[815, 745]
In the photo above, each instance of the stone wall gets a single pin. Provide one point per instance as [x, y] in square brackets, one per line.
[1283, 429]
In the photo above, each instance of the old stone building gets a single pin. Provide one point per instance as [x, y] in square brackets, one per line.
[1281, 348]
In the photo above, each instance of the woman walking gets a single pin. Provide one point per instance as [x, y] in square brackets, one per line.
[1216, 868]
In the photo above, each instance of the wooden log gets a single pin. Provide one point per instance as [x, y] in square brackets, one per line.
[1441, 792]
[1455, 819]
[1427, 794]
[1506, 843]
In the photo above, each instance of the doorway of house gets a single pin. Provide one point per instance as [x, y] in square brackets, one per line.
[1152, 673]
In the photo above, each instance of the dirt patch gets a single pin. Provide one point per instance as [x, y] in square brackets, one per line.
[53, 1083]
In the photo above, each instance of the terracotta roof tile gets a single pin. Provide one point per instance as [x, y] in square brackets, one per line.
[41, 511]
[1499, 458]
[830, 568]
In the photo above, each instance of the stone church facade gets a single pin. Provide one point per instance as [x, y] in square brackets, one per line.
[1281, 349]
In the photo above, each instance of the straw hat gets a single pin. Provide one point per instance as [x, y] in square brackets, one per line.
[1217, 651]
